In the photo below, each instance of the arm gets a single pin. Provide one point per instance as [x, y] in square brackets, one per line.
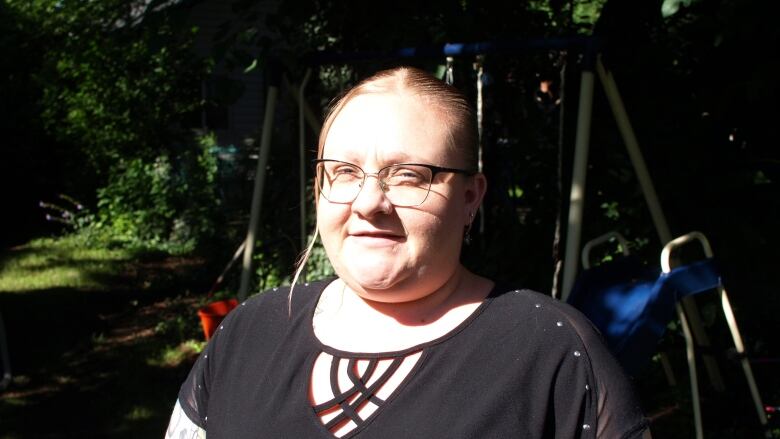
[181, 427]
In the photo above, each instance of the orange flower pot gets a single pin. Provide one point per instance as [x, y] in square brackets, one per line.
[212, 314]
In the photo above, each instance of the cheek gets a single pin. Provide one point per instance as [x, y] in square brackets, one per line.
[435, 233]
[330, 221]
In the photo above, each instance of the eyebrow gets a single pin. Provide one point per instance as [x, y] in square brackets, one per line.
[389, 159]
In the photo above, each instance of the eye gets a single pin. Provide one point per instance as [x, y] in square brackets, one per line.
[407, 175]
[343, 171]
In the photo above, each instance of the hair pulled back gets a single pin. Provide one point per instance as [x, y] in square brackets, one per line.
[458, 114]
[451, 104]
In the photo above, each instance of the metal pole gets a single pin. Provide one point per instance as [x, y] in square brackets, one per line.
[656, 212]
[690, 353]
[311, 118]
[257, 196]
[635, 154]
[744, 361]
[579, 174]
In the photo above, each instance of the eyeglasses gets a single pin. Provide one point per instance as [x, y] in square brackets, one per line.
[404, 184]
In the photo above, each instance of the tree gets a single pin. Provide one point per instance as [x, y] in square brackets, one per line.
[115, 86]
[118, 78]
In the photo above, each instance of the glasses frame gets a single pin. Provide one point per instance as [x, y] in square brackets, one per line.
[433, 168]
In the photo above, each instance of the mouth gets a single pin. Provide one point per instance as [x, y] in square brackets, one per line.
[377, 237]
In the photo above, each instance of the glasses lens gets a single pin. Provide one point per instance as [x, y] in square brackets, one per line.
[403, 185]
[339, 182]
[407, 185]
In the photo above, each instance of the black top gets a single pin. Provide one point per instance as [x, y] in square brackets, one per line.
[522, 365]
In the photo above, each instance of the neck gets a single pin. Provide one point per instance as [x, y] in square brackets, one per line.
[461, 288]
[421, 311]
[390, 326]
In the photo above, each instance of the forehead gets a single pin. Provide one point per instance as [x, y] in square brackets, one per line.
[389, 127]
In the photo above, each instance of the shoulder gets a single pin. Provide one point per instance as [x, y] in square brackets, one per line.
[282, 301]
[244, 345]
[527, 300]
[558, 338]
[260, 325]
[554, 326]
[273, 311]
[579, 349]
[300, 295]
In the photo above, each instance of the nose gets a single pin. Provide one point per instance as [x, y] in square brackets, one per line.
[371, 199]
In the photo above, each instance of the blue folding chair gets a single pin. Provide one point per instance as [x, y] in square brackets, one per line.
[632, 304]
[622, 299]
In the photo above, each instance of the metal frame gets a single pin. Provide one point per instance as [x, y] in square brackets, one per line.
[593, 62]
[257, 197]
[579, 173]
[666, 267]
[603, 239]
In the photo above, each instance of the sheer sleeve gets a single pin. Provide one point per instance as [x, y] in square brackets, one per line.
[194, 393]
[618, 411]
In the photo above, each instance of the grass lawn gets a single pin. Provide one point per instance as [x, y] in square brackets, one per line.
[60, 263]
[99, 339]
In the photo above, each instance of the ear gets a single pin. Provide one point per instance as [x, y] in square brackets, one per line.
[475, 189]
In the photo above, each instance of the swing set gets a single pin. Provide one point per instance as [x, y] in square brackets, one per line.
[632, 311]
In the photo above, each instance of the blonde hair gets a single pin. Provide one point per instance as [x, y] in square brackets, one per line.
[409, 81]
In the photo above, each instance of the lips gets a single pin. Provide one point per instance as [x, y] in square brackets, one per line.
[377, 237]
[376, 234]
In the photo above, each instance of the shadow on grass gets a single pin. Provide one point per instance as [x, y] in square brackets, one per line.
[81, 358]
[41, 326]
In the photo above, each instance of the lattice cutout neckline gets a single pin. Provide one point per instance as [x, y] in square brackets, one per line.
[361, 390]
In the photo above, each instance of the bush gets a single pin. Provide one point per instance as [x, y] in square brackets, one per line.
[169, 202]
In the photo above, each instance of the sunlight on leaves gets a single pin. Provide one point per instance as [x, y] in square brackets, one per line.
[670, 7]
[138, 413]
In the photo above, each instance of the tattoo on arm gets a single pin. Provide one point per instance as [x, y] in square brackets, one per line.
[181, 427]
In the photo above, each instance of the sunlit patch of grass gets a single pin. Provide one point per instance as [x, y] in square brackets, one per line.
[173, 356]
[65, 262]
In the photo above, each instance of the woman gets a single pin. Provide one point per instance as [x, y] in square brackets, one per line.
[406, 342]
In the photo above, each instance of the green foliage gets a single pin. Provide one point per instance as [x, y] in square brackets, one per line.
[318, 266]
[274, 269]
[585, 13]
[176, 355]
[117, 80]
[178, 329]
[169, 202]
[273, 266]
[104, 90]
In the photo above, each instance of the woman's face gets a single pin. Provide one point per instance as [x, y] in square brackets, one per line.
[383, 252]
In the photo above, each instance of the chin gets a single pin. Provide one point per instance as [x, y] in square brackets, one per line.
[374, 270]
[373, 280]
